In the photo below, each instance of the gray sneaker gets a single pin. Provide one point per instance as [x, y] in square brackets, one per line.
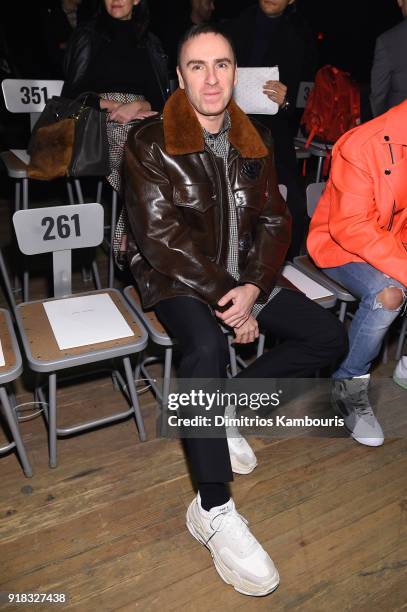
[350, 398]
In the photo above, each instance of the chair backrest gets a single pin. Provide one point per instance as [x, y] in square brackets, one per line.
[283, 191]
[58, 230]
[29, 95]
[314, 192]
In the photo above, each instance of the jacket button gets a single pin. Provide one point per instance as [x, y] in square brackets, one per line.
[387, 138]
[387, 171]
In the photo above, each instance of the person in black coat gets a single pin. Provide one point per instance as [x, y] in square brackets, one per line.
[115, 56]
[272, 33]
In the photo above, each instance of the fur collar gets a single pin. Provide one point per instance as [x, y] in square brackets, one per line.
[183, 132]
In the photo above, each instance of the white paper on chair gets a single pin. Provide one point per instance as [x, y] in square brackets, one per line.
[22, 155]
[311, 288]
[86, 319]
[248, 92]
[2, 360]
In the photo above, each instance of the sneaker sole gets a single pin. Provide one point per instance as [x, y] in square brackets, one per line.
[244, 586]
[241, 468]
[402, 382]
[350, 432]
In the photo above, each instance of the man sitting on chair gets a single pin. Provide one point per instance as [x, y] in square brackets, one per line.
[212, 232]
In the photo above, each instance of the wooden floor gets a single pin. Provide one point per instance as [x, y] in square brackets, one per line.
[107, 526]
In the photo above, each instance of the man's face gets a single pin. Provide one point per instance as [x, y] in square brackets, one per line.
[120, 9]
[204, 8]
[273, 8]
[207, 73]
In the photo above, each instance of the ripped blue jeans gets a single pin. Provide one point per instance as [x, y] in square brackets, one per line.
[371, 320]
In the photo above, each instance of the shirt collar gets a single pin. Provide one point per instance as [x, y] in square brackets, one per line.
[227, 124]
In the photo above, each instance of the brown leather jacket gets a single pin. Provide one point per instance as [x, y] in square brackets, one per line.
[177, 205]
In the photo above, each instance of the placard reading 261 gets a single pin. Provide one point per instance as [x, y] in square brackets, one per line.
[59, 228]
[62, 225]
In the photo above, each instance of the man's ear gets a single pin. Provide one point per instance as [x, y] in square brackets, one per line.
[180, 79]
[235, 79]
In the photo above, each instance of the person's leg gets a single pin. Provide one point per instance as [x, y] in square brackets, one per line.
[212, 517]
[381, 299]
[311, 338]
[204, 354]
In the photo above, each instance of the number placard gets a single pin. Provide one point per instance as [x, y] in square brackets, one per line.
[59, 228]
[29, 96]
[304, 91]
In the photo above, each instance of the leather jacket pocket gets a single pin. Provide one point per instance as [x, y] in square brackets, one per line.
[197, 204]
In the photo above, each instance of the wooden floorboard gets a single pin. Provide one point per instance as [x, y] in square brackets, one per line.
[107, 526]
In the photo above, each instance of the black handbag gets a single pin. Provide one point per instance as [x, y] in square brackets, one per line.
[69, 139]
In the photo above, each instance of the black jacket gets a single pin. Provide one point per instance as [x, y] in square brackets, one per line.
[87, 42]
[292, 48]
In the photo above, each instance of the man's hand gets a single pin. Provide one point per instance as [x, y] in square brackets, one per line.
[130, 111]
[248, 332]
[243, 298]
[275, 91]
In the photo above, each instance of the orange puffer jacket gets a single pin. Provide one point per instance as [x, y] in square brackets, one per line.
[362, 214]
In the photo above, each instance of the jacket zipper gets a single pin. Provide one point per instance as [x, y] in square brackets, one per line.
[393, 210]
[220, 243]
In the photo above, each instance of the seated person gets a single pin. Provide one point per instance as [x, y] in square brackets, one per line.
[358, 236]
[212, 232]
[116, 56]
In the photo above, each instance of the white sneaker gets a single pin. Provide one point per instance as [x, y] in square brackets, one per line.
[238, 557]
[242, 457]
[400, 373]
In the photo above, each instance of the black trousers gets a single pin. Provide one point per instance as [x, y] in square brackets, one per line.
[311, 338]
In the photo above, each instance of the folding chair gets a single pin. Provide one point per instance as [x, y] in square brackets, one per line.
[11, 369]
[305, 264]
[25, 96]
[58, 230]
[31, 96]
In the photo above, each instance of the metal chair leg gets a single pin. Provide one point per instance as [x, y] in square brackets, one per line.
[99, 192]
[232, 356]
[402, 338]
[166, 390]
[112, 231]
[260, 345]
[134, 399]
[70, 192]
[7, 283]
[26, 276]
[11, 421]
[52, 420]
[342, 311]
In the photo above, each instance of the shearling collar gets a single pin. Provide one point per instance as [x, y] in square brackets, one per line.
[183, 133]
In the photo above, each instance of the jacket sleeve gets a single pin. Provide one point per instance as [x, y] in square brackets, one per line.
[158, 227]
[380, 79]
[76, 64]
[353, 219]
[272, 239]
